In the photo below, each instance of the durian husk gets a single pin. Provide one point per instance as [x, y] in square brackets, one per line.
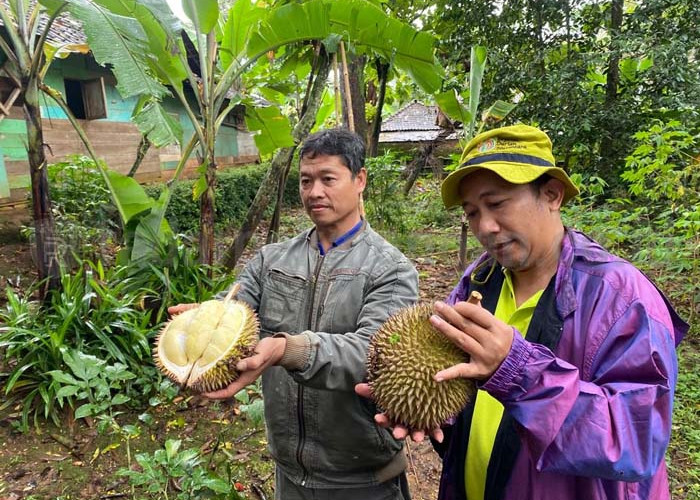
[404, 355]
[199, 348]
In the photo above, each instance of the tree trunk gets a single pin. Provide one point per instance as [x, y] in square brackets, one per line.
[46, 251]
[373, 139]
[609, 136]
[355, 96]
[274, 229]
[280, 161]
[423, 159]
[206, 212]
[141, 151]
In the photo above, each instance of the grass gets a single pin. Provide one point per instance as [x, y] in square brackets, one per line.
[684, 450]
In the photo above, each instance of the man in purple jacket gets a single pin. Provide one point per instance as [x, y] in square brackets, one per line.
[573, 348]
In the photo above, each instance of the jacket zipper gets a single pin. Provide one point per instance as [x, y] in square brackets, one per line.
[302, 433]
[300, 391]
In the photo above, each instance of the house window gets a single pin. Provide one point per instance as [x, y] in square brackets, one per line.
[236, 117]
[86, 98]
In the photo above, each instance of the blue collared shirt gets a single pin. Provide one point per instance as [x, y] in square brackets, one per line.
[342, 239]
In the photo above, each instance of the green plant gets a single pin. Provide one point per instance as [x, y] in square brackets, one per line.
[173, 473]
[252, 403]
[92, 312]
[664, 166]
[92, 380]
[427, 209]
[78, 190]
[235, 190]
[173, 276]
[684, 449]
[83, 214]
[385, 202]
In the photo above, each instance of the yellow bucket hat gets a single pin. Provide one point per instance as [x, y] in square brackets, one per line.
[519, 154]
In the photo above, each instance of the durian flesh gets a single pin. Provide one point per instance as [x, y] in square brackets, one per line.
[404, 355]
[199, 348]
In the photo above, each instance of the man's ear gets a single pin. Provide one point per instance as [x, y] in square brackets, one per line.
[553, 192]
[361, 178]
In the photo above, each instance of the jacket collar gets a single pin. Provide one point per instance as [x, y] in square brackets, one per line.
[312, 238]
[564, 287]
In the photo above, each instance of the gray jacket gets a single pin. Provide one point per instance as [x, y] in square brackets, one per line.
[319, 431]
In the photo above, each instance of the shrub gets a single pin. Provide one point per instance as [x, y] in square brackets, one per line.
[388, 209]
[235, 190]
[664, 165]
[83, 213]
[385, 203]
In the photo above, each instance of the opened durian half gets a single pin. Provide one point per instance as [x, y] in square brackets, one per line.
[199, 348]
[404, 356]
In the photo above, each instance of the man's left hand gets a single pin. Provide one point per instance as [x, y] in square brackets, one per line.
[268, 352]
[478, 333]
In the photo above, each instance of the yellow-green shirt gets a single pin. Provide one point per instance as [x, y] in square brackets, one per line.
[487, 410]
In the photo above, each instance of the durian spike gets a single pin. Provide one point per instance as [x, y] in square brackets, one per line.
[475, 298]
[232, 292]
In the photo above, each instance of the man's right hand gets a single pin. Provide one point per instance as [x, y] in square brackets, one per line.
[267, 352]
[180, 308]
[398, 431]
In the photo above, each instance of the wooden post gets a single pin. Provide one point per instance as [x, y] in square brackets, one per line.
[463, 244]
[346, 82]
[336, 91]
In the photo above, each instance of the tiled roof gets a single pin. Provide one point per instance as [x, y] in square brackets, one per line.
[414, 116]
[66, 30]
[63, 30]
[415, 122]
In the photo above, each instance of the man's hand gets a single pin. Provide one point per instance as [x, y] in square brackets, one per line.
[268, 352]
[477, 332]
[398, 431]
[180, 308]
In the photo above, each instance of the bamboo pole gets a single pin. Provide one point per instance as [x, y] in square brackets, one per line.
[336, 91]
[346, 82]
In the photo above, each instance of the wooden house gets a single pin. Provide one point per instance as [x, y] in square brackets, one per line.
[417, 126]
[90, 91]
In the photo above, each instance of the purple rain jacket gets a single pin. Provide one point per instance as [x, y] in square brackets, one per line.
[588, 396]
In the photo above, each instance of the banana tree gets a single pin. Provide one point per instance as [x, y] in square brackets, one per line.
[23, 49]
[147, 48]
[451, 104]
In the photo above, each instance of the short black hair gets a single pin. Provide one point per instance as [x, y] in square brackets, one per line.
[539, 182]
[336, 142]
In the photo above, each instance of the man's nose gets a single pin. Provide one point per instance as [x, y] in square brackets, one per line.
[488, 224]
[316, 190]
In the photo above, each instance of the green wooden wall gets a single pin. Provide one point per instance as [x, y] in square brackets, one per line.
[13, 134]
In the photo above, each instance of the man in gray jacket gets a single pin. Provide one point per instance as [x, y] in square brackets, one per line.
[320, 297]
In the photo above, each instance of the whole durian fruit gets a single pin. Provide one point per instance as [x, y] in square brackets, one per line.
[404, 355]
[199, 348]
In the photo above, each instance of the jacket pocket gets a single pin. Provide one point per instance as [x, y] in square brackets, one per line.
[343, 300]
[282, 301]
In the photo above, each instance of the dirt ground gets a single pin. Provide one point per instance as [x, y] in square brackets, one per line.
[75, 461]
[16, 263]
